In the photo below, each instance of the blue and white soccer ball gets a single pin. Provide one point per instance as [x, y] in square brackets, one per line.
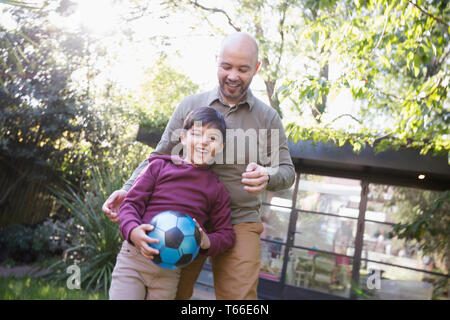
[179, 239]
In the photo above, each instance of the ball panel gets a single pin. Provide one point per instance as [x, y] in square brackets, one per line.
[177, 214]
[184, 260]
[157, 259]
[189, 245]
[187, 225]
[173, 238]
[167, 266]
[164, 221]
[157, 234]
[169, 255]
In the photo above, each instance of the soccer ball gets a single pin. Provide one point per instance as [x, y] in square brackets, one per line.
[179, 239]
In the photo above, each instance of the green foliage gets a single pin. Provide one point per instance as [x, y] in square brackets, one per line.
[163, 87]
[43, 118]
[95, 240]
[424, 218]
[393, 60]
[27, 244]
[159, 94]
[155, 121]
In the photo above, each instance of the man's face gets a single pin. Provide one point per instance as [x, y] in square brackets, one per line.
[202, 143]
[236, 69]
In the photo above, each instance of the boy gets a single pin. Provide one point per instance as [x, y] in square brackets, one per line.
[173, 183]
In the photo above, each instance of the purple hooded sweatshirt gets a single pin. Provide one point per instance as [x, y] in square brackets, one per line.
[169, 183]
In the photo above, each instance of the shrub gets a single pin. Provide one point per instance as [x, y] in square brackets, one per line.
[95, 240]
[26, 244]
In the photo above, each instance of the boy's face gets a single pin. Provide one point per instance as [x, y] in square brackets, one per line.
[202, 143]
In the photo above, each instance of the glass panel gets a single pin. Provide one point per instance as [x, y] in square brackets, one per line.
[329, 195]
[392, 204]
[276, 222]
[381, 245]
[319, 271]
[326, 233]
[279, 198]
[271, 260]
[379, 281]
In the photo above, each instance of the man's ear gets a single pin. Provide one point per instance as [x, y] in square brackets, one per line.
[258, 64]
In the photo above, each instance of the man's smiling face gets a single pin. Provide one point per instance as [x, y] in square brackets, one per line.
[237, 64]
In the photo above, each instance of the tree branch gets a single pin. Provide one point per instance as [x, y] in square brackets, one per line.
[215, 10]
[429, 14]
[280, 29]
[344, 115]
[381, 37]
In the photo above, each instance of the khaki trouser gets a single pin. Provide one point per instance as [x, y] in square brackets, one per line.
[235, 271]
[137, 278]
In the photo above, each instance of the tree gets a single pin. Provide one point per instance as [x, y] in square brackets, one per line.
[393, 59]
[163, 87]
[270, 22]
[423, 217]
[44, 121]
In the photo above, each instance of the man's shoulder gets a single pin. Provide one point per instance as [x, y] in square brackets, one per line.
[263, 109]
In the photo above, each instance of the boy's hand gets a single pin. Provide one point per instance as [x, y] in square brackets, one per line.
[141, 240]
[205, 243]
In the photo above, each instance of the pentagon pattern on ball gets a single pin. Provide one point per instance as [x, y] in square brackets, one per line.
[179, 239]
[174, 237]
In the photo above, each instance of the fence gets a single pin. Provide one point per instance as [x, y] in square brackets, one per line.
[24, 197]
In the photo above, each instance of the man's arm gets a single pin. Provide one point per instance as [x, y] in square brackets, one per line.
[281, 170]
[276, 171]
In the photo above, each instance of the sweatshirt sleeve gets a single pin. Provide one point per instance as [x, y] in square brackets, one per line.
[221, 236]
[133, 207]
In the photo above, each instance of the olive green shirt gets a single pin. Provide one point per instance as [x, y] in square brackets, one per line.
[251, 121]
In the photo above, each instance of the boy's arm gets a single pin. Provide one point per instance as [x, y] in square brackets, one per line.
[221, 234]
[133, 207]
[166, 145]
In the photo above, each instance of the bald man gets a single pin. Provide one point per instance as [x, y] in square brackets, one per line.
[244, 172]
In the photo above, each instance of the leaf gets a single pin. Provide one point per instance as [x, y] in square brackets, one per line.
[416, 66]
[385, 61]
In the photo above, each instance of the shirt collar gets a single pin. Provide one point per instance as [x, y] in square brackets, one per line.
[214, 95]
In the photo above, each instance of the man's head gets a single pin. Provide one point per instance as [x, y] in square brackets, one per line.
[204, 131]
[237, 64]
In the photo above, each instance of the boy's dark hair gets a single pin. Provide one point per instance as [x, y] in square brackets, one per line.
[207, 116]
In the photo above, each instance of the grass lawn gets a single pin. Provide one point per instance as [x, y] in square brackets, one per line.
[26, 288]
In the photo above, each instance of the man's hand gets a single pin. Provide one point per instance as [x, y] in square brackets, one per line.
[141, 240]
[255, 178]
[113, 203]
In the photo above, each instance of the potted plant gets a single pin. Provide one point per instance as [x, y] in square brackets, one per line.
[151, 128]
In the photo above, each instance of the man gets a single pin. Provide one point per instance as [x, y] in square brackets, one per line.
[236, 271]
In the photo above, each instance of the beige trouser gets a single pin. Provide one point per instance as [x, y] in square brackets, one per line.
[235, 271]
[137, 278]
